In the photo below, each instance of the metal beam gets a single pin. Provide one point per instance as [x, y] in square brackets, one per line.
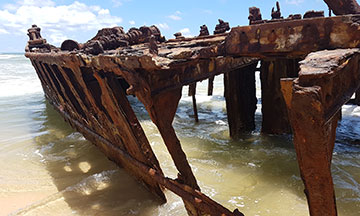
[294, 38]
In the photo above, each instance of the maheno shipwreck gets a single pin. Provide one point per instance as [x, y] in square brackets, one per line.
[309, 69]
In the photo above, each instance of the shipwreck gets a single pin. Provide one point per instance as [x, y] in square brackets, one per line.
[309, 69]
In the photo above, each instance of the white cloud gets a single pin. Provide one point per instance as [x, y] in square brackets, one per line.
[118, 3]
[163, 26]
[132, 22]
[175, 16]
[44, 3]
[186, 32]
[294, 2]
[95, 8]
[10, 7]
[103, 12]
[3, 31]
[57, 37]
[55, 20]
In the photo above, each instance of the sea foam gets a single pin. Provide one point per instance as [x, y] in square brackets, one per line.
[17, 76]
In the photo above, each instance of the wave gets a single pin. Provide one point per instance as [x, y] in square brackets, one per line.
[17, 76]
[19, 87]
[10, 56]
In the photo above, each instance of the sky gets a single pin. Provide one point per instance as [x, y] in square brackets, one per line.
[80, 20]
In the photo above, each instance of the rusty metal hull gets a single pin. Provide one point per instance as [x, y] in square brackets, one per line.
[89, 83]
[92, 99]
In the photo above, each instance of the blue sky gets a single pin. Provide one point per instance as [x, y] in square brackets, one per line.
[80, 20]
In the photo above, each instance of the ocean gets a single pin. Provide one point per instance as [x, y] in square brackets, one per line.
[47, 168]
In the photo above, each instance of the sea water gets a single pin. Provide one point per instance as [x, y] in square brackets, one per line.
[46, 168]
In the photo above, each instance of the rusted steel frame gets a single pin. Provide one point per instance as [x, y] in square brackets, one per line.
[211, 85]
[327, 80]
[336, 73]
[162, 111]
[342, 7]
[197, 38]
[97, 118]
[128, 113]
[92, 115]
[161, 107]
[196, 116]
[63, 77]
[195, 197]
[128, 129]
[240, 97]
[126, 125]
[120, 111]
[131, 132]
[43, 82]
[295, 38]
[78, 110]
[51, 90]
[275, 118]
[197, 70]
[92, 109]
[59, 95]
[314, 140]
[161, 78]
[192, 93]
[79, 95]
[46, 85]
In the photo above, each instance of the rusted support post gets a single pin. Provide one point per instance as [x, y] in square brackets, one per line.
[327, 80]
[315, 156]
[314, 139]
[357, 97]
[211, 85]
[162, 112]
[240, 95]
[274, 114]
[192, 93]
